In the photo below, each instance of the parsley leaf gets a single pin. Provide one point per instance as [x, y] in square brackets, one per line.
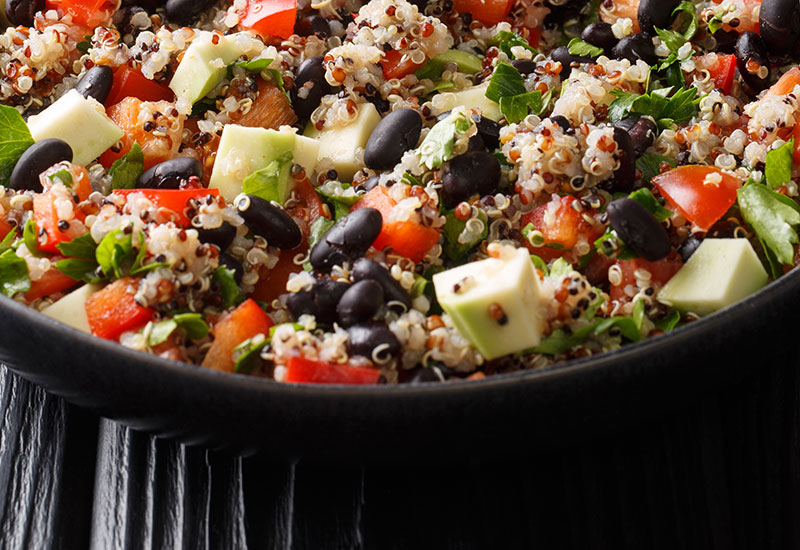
[778, 168]
[248, 353]
[580, 48]
[79, 247]
[14, 139]
[228, 289]
[622, 106]
[506, 81]
[671, 39]
[650, 165]
[30, 235]
[560, 341]
[269, 183]
[437, 147]
[113, 252]
[773, 217]
[454, 248]
[669, 322]
[80, 269]
[192, 323]
[515, 108]
[126, 169]
[505, 40]
[688, 8]
[341, 203]
[678, 108]
[646, 198]
[84, 45]
[13, 274]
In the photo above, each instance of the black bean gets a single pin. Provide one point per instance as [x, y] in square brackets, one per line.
[310, 78]
[637, 227]
[751, 53]
[301, 303]
[779, 24]
[228, 261]
[395, 134]
[269, 221]
[170, 173]
[184, 12]
[468, 174]
[21, 12]
[140, 5]
[96, 83]
[524, 66]
[655, 13]
[368, 184]
[312, 24]
[36, 159]
[625, 175]
[327, 294]
[599, 34]
[635, 47]
[221, 236]
[360, 302]
[642, 131]
[348, 240]
[365, 337]
[562, 121]
[687, 248]
[726, 40]
[365, 269]
[475, 143]
[489, 130]
[562, 55]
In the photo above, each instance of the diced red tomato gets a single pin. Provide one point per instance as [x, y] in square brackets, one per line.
[155, 148]
[489, 12]
[172, 199]
[395, 67]
[561, 225]
[270, 17]
[661, 271]
[244, 322]
[5, 228]
[407, 238]
[272, 283]
[308, 371]
[700, 200]
[88, 13]
[720, 67]
[746, 15]
[113, 310]
[129, 82]
[308, 206]
[53, 281]
[785, 83]
[621, 9]
[270, 109]
[45, 212]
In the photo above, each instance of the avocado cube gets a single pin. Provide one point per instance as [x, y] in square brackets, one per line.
[340, 144]
[244, 150]
[719, 273]
[203, 66]
[472, 98]
[494, 303]
[71, 309]
[81, 122]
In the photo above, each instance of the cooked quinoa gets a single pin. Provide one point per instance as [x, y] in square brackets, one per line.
[287, 201]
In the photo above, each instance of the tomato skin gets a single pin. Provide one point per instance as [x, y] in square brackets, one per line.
[270, 17]
[700, 203]
[128, 82]
[45, 213]
[113, 310]
[309, 371]
[489, 12]
[785, 83]
[661, 271]
[244, 322]
[623, 9]
[5, 228]
[721, 68]
[172, 199]
[53, 281]
[394, 67]
[88, 13]
[407, 238]
[560, 224]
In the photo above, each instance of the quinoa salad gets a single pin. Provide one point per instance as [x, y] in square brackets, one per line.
[389, 191]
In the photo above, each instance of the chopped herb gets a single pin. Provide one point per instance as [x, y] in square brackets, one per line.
[678, 108]
[255, 65]
[63, 176]
[79, 247]
[505, 40]
[84, 45]
[715, 23]
[7, 241]
[319, 227]
[228, 289]
[192, 324]
[540, 264]
[15, 138]
[778, 168]
[13, 274]
[650, 165]
[560, 340]
[688, 8]
[437, 147]
[669, 322]
[160, 331]
[580, 48]
[248, 353]
[671, 39]
[646, 198]
[80, 269]
[516, 108]
[506, 81]
[202, 105]
[773, 217]
[267, 183]
[30, 236]
[453, 227]
[114, 252]
[126, 169]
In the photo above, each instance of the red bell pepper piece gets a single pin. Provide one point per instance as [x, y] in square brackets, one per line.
[113, 310]
[88, 13]
[270, 17]
[175, 200]
[45, 213]
[394, 67]
[560, 225]
[489, 12]
[129, 82]
[660, 270]
[308, 371]
[53, 281]
[244, 322]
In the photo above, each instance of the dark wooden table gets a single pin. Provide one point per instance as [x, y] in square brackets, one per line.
[722, 474]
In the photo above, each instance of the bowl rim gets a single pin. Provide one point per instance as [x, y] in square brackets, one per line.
[570, 368]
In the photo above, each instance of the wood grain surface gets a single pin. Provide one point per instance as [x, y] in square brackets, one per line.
[722, 474]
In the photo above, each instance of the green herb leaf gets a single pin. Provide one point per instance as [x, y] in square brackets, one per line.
[622, 106]
[778, 168]
[114, 254]
[248, 353]
[540, 264]
[79, 247]
[255, 65]
[14, 139]
[228, 289]
[319, 227]
[30, 236]
[638, 313]
[515, 108]
[202, 105]
[437, 147]
[13, 274]
[671, 39]
[7, 241]
[193, 324]
[688, 8]
[506, 81]
[126, 169]
[341, 203]
[453, 227]
[580, 48]
[678, 108]
[715, 23]
[650, 165]
[669, 322]
[84, 45]
[80, 269]
[505, 40]
[160, 331]
[773, 217]
[267, 183]
[63, 176]
[646, 198]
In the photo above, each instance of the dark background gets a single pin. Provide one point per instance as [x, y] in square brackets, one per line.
[722, 473]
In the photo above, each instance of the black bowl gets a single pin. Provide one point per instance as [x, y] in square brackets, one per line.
[503, 415]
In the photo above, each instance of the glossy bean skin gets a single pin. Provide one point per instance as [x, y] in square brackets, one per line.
[726, 41]
[348, 240]
[524, 66]
[21, 12]
[635, 47]
[751, 50]
[467, 174]
[637, 227]
[313, 24]
[642, 130]
[599, 34]
[393, 291]
[562, 55]
[363, 338]
[562, 122]
[625, 175]
[269, 221]
[368, 184]
[36, 159]
[488, 130]
[310, 77]
[779, 24]
[655, 13]
[221, 236]
[228, 261]
[360, 302]
[321, 301]
[184, 12]
[395, 134]
[170, 173]
[688, 248]
[96, 83]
